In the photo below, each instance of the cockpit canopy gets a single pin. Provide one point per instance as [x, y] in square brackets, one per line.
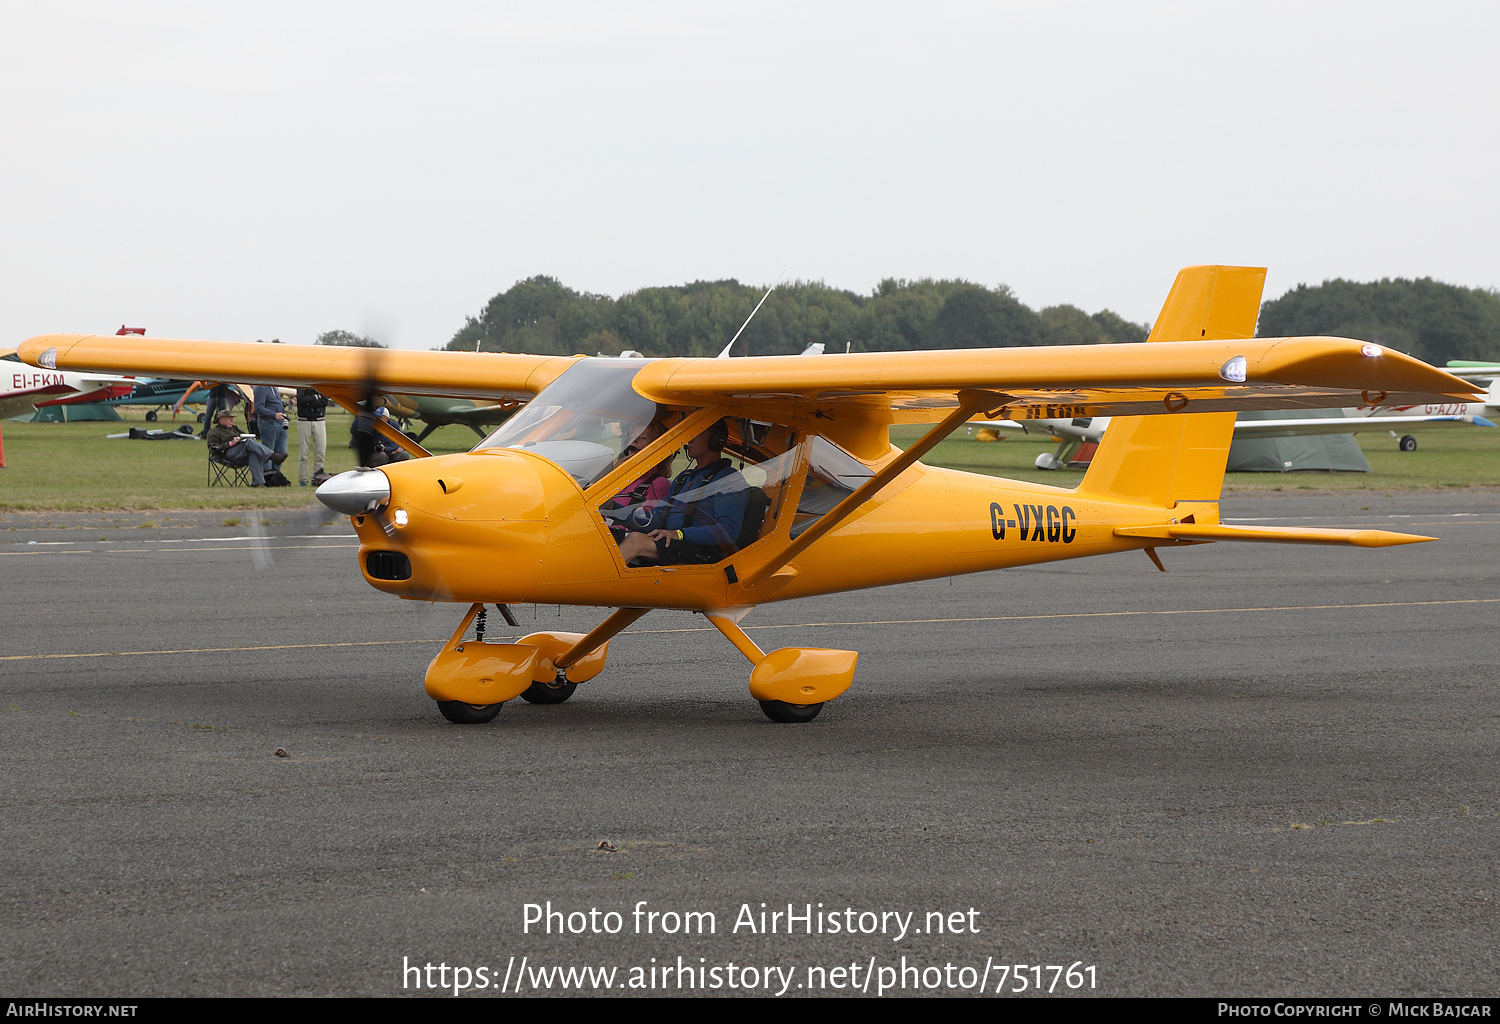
[582, 421]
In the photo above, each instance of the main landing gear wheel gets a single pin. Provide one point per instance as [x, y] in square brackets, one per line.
[781, 711]
[548, 693]
[150, 415]
[459, 713]
[1408, 443]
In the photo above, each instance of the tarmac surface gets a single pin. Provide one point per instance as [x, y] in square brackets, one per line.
[1270, 772]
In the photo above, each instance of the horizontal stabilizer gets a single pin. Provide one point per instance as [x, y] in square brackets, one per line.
[1275, 534]
[1346, 425]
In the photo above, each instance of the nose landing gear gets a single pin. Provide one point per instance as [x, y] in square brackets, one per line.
[460, 713]
[554, 692]
[781, 711]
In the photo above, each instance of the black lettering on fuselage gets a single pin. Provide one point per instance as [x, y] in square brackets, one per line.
[1036, 522]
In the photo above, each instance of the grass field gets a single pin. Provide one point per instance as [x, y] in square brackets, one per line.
[71, 466]
[62, 466]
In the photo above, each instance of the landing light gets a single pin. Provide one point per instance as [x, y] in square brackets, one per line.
[400, 517]
[1234, 370]
[1371, 350]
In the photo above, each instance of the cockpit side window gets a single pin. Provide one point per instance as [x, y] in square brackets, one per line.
[750, 479]
[832, 475]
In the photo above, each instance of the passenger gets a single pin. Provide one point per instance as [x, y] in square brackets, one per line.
[241, 449]
[704, 511]
[638, 503]
[650, 488]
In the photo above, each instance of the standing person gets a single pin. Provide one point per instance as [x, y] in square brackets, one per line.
[270, 418]
[240, 449]
[312, 431]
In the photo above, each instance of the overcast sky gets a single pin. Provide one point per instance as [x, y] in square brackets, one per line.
[278, 170]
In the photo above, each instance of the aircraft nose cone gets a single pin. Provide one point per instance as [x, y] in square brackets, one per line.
[359, 490]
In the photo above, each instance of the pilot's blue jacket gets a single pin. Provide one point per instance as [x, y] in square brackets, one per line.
[711, 519]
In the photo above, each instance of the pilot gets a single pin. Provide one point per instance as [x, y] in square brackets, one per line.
[704, 511]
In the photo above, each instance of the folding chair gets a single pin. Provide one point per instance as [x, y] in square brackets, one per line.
[227, 474]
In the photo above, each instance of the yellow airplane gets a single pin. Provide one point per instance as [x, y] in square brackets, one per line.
[561, 504]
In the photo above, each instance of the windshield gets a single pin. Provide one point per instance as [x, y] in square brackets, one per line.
[582, 420]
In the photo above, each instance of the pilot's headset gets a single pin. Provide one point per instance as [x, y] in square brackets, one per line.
[718, 435]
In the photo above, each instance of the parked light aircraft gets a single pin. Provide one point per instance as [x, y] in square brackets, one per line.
[1396, 420]
[157, 395]
[521, 518]
[437, 412]
[23, 386]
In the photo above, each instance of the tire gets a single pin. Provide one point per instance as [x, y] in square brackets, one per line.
[1408, 443]
[150, 415]
[459, 713]
[548, 693]
[781, 711]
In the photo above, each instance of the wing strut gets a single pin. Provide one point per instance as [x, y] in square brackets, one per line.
[969, 402]
[599, 636]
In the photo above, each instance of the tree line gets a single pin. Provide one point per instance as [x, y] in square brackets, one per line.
[1426, 318]
[542, 315]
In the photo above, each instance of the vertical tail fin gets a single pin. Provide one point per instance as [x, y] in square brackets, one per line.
[1180, 457]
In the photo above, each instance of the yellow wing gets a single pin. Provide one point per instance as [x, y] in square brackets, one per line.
[1057, 382]
[1051, 382]
[852, 399]
[448, 374]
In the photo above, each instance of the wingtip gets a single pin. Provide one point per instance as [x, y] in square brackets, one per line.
[1385, 538]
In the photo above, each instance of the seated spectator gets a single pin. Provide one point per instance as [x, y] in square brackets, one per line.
[239, 449]
[705, 508]
[383, 450]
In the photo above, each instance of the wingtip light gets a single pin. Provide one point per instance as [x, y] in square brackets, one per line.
[1234, 369]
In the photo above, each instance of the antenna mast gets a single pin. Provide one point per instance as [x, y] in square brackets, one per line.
[725, 353]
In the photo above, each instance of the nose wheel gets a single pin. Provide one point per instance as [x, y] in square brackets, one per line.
[459, 713]
[781, 711]
[554, 692]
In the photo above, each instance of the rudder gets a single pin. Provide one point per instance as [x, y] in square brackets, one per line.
[1174, 457]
